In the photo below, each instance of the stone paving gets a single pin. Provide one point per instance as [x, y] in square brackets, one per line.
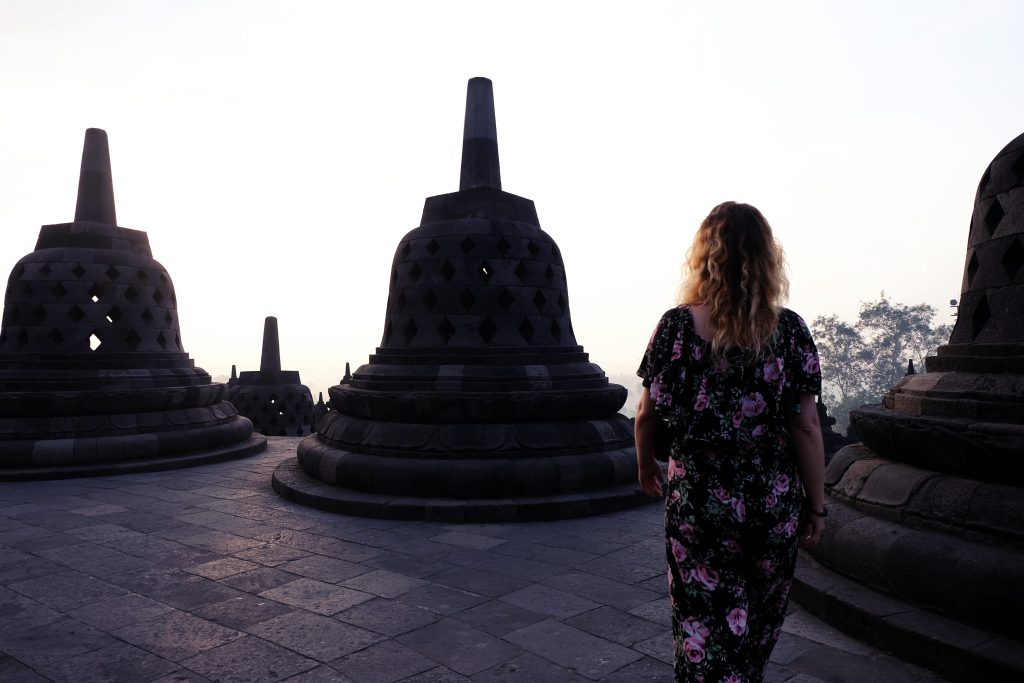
[204, 574]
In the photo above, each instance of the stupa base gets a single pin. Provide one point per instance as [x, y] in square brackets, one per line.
[250, 446]
[292, 483]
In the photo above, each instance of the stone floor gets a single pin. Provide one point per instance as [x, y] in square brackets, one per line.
[204, 574]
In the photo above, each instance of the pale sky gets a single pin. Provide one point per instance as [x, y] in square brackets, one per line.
[276, 152]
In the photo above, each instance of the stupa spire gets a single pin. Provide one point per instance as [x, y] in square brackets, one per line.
[270, 361]
[480, 166]
[95, 184]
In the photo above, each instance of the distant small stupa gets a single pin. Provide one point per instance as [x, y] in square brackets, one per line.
[274, 399]
[478, 404]
[93, 375]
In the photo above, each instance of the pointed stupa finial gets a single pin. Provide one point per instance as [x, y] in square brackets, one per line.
[95, 184]
[348, 373]
[480, 138]
[910, 368]
[234, 372]
[270, 361]
[320, 401]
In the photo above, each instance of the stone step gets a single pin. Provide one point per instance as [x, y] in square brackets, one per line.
[956, 651]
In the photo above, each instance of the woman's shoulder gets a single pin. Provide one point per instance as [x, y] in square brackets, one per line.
[790, 318]
[676, 315]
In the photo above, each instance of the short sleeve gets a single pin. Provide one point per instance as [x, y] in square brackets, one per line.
[659, 354]
[804, 371]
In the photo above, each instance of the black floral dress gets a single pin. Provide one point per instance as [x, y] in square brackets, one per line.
[733, 498]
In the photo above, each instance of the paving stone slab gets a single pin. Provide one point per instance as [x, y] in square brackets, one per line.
[259, 580]
[646, 670]
[177, 635]
[388, 617]
[319, 637]
[242, 611]
[551, 601]
[51, 642]
[94, 559]
[498, 618]
[271, 554]
[410, 566]
[615, 625]
[384, 583]
[13, 671]
[218, 569]
[31, 568]
[477, 581]
[528, 668]
[573, 649]
[441, 674]
[123, 610]
[249, 660]
[385, 662]
[660, 647]
[659, 611]
[316, 596]
[468, 540]
[323, 568]
[599, 589]
[459, 647]
[441, 599]
[193, 593]
[21, 613]
[321, 674]
[115, 663]
[67, 590]
[625, 571]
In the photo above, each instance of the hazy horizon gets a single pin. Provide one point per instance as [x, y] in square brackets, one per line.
[277, 153]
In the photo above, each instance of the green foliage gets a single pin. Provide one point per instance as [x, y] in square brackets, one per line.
[860, 362]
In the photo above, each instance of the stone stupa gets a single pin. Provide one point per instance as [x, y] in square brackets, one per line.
[93, 375]
[274, 399]
[928, 513]
[479, 404]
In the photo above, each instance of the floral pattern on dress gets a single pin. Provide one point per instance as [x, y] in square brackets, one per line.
[733, 496]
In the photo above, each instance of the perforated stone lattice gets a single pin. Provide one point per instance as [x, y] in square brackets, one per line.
[285, 410]
[55, 306]
[486, 287]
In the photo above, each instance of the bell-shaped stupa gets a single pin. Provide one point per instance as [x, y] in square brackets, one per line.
[274, 399]
[478, 404]
[928, 513]
[93, 376]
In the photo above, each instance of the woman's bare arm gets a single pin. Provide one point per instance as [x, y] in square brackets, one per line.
[805, 430]
[645, 430]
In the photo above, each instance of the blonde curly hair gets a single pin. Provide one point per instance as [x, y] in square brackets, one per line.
[738, 271]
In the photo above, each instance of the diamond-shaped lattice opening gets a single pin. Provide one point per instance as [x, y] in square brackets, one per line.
[485, 270]
[556, 330]
[78, 270]
[985, 177]
[554, 251]
[503, 246]
[972, 267]
[27, 290]
[1013, 258]
[387, 332]
[400, 301]
[113, 273]
[1018, 168]
[147, 316]
[532, 247]
[432, 247]
[39, 313]
[22, 339]
[467, 245]
[526, 330]
[562, 303]
[45, 269]
[131, 294]
[406, 248]
[430, 299]
[95, 293]
[994, 214]
[446, 330]
[158, 296]
[19, 271]
[76, 313]
[95, 342]
[447, 270]
[539, 300]
[161, 339]
[415, 272]
[141, 275]
[467, 299]
[506, 299]
[980, 317]
[114, 314]
[410, 330]
[163, 278]
[394, 275]
[59, 290]
[487, 330]
[522, 271]
[132, 339]
[177, 341]
[549, 274]
[168, 318]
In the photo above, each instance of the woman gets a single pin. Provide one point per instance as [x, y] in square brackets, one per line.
[732, 376]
